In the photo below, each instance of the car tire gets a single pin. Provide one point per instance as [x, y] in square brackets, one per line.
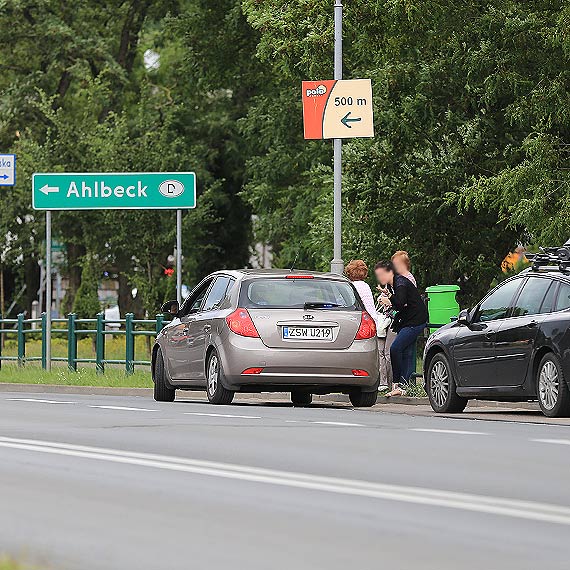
[215, 389]
[551, 388]
[301, 398]
[361, 399]
[163, 392]
[441, 388]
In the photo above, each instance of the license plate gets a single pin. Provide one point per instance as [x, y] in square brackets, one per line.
[307, 333]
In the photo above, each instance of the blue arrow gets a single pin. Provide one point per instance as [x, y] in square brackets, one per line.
[4, 176]
[346, 120]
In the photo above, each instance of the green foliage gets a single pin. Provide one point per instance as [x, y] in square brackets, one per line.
[77, 97]
[11, 564]
[86, 304]
[528, 182]
[471, 110]
[470, 155]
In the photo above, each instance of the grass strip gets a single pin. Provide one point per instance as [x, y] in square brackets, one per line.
[113, 377]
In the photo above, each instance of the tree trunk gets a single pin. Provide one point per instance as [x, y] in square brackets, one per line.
[75, 253]
[125, 295]
[32, 279]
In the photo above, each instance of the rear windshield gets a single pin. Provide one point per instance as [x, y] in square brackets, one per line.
[281, 293]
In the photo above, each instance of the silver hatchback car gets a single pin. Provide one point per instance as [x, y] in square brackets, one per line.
[268, 331]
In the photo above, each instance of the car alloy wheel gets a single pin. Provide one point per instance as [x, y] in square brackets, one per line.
[439, 382]
[213, 374]
[548, 385]
[441, 387]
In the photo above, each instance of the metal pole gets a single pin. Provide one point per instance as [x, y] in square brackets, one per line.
[179, 256]
[48, 292]
[337, 265]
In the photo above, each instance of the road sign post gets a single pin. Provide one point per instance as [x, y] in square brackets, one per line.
[110, 191]
[337, 264]
[337, 109]
[47, 340]
[7, 169]
[179, 257]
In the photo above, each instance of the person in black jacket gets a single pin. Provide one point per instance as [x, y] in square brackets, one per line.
[411, 319]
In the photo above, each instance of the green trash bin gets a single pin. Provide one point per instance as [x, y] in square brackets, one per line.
[442, 304]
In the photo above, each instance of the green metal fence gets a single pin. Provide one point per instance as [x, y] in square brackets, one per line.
[74, 328]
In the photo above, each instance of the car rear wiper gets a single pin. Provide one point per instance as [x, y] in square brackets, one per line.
[320, 306]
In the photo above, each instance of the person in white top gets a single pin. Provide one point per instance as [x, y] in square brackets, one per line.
[357, 272]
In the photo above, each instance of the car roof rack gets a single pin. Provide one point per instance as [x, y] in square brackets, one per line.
[553, 258]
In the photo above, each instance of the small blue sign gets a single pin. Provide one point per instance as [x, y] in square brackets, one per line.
[7, 169]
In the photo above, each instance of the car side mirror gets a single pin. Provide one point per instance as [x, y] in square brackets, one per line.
[171, 308]
[464, 317]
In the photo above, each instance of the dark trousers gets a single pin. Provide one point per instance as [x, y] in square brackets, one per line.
[402, 353]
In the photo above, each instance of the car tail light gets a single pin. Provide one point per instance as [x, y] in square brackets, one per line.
[300, 277]
[240, 323]
[253, 371]
[359, 372]
[367, 328]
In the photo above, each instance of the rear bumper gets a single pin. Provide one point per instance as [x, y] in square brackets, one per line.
[284, 369]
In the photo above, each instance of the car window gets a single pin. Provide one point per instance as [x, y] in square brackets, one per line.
[497, 304]
[216, 293]
[531, 297]
[550, 298]
[563, 300]
[283, 293]
[194, 300]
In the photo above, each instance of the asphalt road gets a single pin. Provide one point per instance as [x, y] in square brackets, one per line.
[107, 482]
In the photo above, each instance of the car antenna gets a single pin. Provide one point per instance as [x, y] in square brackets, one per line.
[294, 261]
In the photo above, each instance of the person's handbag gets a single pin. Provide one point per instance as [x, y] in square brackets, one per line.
[384, 322]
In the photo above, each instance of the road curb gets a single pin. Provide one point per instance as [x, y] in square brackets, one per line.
[147, 392]
[68, 389]
[267, 397]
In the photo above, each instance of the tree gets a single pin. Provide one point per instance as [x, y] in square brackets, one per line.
[525, 65]
[86, 304]
[435, 130]
[77, 96]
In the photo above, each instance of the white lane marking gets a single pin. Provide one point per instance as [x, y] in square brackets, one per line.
[38, 400]
[124, 408]
[455, 431]
[346, 424]
[556, 441]
[222, 415]
[433, 497]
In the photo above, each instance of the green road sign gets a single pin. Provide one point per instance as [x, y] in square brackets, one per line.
[114, 191]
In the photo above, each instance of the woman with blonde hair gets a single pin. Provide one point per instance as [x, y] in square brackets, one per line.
[402, 265]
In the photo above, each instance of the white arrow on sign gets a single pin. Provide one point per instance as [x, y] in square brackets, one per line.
[49, 189]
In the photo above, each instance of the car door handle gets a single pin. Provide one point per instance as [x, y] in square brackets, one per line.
[532, 324]
[489, 335]
[207, 328]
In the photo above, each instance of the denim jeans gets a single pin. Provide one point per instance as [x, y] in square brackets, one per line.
[402, 353]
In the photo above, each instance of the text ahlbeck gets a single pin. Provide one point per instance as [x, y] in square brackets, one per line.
[101, 190]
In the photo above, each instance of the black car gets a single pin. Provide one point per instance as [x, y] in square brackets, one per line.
[513, 346]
